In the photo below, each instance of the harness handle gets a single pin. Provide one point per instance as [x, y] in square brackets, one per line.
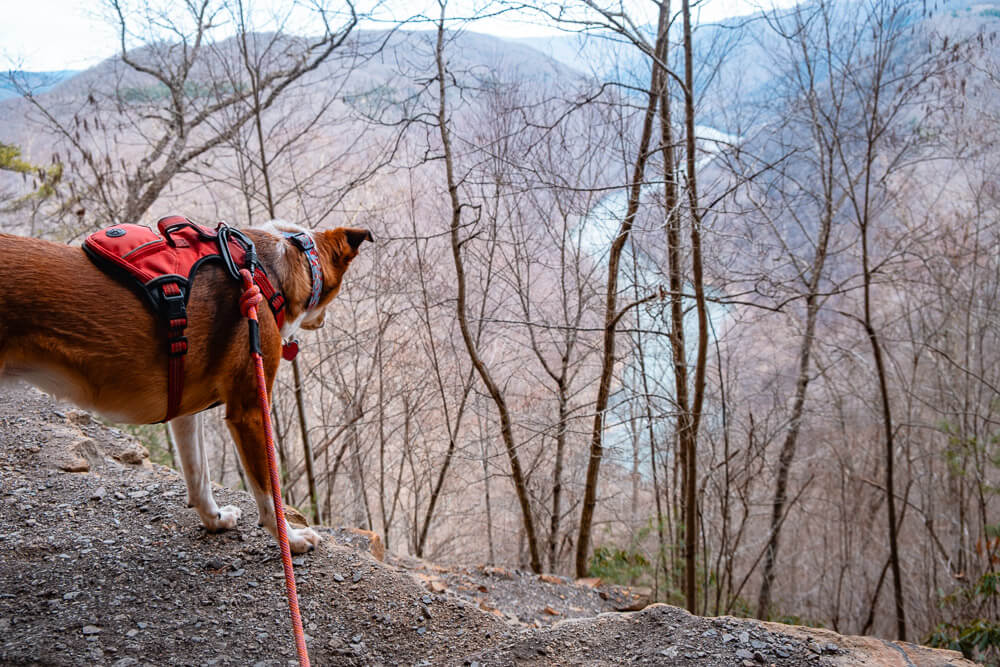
[174, 222]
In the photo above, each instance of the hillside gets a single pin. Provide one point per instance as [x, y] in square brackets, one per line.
[102, 564]
[38, 82]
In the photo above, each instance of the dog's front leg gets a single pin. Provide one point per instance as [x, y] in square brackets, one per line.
[187, 432]
[247, 428]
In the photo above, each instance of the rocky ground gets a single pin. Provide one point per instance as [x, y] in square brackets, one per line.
[102, 564]
[523, 597]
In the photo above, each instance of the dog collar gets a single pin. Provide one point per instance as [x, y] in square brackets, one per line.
[304, 242]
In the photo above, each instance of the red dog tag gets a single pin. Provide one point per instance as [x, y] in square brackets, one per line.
[290, 349]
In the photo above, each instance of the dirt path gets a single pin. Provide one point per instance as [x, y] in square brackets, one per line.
[106, 566]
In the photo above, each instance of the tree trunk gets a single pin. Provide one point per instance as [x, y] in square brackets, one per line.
[691, 461]
[611, 316]
[795, 420]
[306, 446]
[864, 220]
[557, 473]
[506, 427]
[890, 494]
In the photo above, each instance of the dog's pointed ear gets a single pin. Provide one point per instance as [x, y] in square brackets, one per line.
[355, 237]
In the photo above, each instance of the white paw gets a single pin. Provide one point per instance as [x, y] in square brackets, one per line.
[301, 540]
[225, 519]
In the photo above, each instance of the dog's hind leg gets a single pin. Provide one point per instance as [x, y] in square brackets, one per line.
[187, 432]
[247, 428]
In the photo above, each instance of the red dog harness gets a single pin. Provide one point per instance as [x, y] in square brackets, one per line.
[165, 268]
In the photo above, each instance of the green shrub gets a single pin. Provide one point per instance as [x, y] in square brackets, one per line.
[976, 636]
[618, 566]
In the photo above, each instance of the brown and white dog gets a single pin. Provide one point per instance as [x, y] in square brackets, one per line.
[74, 331]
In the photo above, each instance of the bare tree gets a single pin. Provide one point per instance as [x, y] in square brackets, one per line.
[818, 99]
[506, 427]
[171, 88]
[612, 313]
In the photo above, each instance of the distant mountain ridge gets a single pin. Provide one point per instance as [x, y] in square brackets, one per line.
[38, 82]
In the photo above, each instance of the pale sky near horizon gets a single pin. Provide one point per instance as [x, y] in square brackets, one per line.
[45, 35]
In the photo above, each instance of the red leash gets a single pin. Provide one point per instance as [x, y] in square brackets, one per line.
[248, 306]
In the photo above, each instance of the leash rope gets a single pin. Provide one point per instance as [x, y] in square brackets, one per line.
[249, 301]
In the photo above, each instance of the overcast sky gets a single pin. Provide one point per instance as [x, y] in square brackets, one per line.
[69, 34]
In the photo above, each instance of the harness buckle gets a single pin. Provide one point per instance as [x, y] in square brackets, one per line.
[173, 302]
[302, 240]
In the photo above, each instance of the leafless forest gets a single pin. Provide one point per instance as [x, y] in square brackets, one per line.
[707, 308]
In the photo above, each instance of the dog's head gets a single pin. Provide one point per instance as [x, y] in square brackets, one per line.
[336, 248]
